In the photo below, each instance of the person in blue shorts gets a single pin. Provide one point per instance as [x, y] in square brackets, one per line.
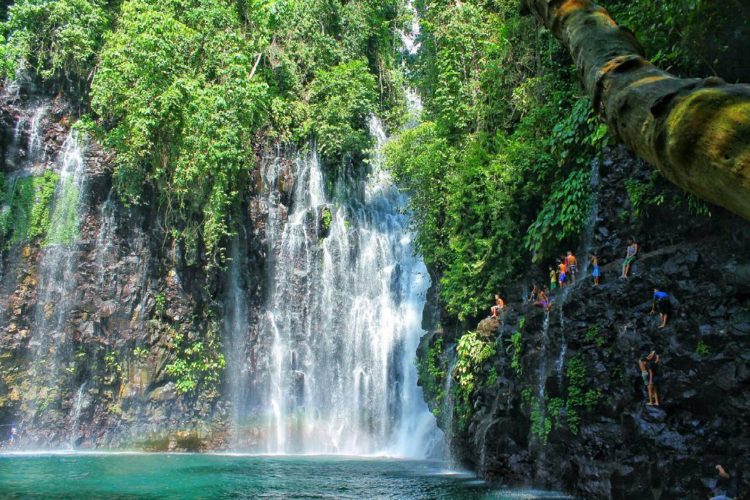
[595, 272]
[562, 275]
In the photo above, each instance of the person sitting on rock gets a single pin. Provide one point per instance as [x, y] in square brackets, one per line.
[661, 304]
[542, 300]
[630, 255]
[498, 307]
[562, 276]
[654, 370]
[571, 264]
[723, 488]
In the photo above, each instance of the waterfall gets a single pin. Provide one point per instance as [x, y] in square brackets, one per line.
[76, 416]
[449, 406]
[343, 318]
[236, 327]
[35, 137]
[57, 281]
[409, 35]
[584, 262]
[542, 370]
[106, 256]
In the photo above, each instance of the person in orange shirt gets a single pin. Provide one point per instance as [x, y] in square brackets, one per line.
[563, 270]
[572, 265]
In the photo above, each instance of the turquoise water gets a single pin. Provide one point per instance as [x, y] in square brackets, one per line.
[146, 476]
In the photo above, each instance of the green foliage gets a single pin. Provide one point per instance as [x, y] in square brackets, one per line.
[140, 353]
[643, 195]
[702, 349]
[515, 348]
[326, 219]
[541, 423]
[688, 37]
[593, 335]
[56, 38]
[472, 352]
[501, 149]
[176, 88]
[432, 371]
[563, 216]
[27, 204]
[160, 303]
[579, 399]
[341, 99]
[183, 88]
[64, 221]
[197, 363]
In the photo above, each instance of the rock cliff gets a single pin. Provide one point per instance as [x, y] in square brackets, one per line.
[561, 402]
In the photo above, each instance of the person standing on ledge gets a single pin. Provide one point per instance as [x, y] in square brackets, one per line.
[630, 255]
[595, 272]
[562, 276]
[654, 370]
[572, 265]
[552, 278]
[661, 304]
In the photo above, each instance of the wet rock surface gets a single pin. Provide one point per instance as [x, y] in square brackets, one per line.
[100, 380]
[623, 448]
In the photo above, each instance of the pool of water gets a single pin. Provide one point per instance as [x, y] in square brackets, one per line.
[137, 475]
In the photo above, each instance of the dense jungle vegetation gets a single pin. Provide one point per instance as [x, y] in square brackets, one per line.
[500, 165]
[185, 91]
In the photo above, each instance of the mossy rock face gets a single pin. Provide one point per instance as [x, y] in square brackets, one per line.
[189, 441]
[155, 443]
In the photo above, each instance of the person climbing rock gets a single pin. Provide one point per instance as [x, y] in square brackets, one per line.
[723, 488]
[562, 276]
[533, 294]
[630, 256]
[552, 278]
[498, 307]
[571, 264]
[595, 272]
[662, 305]
[654, 371]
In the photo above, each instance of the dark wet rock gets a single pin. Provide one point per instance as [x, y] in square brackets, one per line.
[624, 448]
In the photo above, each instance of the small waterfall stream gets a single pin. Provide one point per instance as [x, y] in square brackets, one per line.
[57, 279]
[584, 264]
[237, 329]
[76, 415]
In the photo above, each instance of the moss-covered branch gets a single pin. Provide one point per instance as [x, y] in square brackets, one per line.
[695, 131]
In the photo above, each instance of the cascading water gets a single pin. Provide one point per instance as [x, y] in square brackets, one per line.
[343, 319]
[106, 257]
[237, 328]
[76, 416]
[584, 262]
[57, 283]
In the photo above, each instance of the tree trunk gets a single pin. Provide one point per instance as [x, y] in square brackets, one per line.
[695, 131]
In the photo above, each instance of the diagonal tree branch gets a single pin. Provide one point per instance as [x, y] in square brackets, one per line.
[695, 131]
